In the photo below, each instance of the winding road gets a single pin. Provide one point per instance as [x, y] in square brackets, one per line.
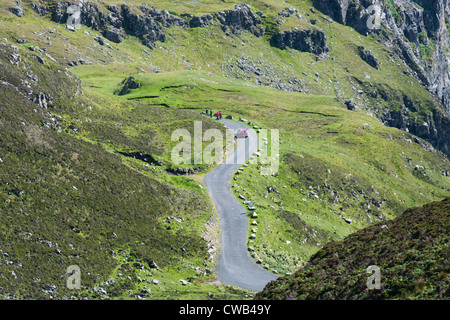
[235, 266]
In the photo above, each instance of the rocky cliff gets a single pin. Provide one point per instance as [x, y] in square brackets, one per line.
[417, 31]
[408, 25]
[308, 40]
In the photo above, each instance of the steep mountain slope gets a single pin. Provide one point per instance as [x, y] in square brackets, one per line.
[89, 113]
[83, 182]
[412, 252]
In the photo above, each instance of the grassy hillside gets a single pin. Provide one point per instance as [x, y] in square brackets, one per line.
[412, 252]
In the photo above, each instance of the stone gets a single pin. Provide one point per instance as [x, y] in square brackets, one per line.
[40, 59]
[102, 291]
[100, 40]
[242, 18]
[184, 282]
[350, 105]
[18, 11]
[40, 8]
[152, 264]
[368, 57]
[114, 34]
[127, 84]
[146, 291]
[199, 22]
[307, 40]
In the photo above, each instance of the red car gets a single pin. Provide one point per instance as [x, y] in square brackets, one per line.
[241, 133]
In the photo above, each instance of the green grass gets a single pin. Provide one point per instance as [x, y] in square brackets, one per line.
[367, 183]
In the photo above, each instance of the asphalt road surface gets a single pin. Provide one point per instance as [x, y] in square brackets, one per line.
[235, 266]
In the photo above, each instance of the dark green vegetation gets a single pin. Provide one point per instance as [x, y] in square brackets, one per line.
[86, 176]
[412, 252]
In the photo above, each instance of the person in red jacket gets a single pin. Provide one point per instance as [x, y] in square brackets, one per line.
[220, 114]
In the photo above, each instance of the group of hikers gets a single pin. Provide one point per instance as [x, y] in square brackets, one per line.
[218, 115]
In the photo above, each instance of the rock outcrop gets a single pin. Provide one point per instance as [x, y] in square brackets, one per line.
[309, 40]
[17, 10]
[149, 23]
[144, 22]
[368, 57]
[421, 22]
[409, 27]
[126, 85]
[242, 18]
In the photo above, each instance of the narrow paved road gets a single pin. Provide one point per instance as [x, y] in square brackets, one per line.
[235, 266]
